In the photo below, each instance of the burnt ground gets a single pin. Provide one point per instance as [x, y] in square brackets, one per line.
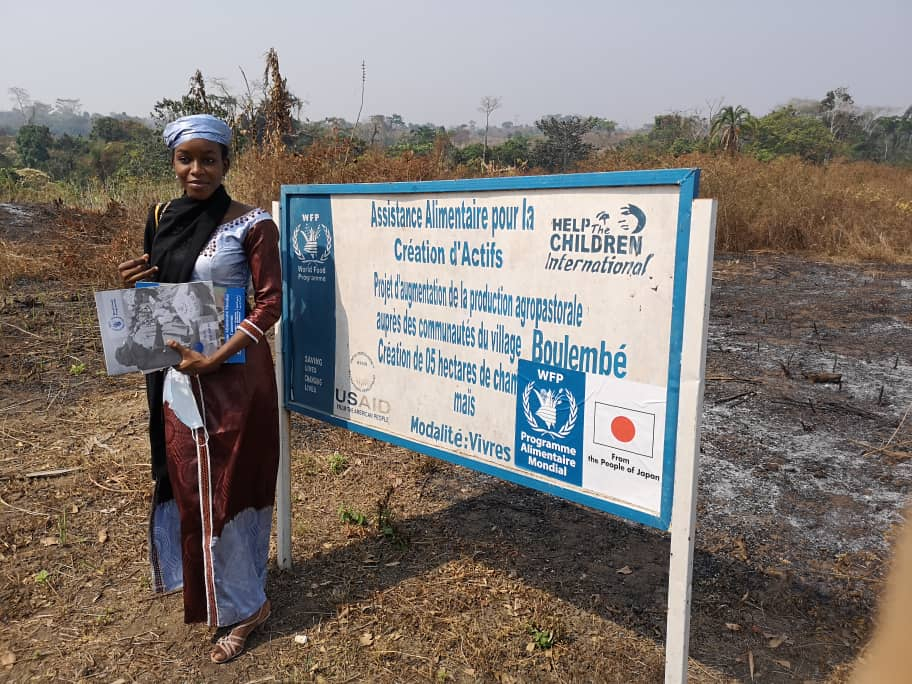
[472, 579]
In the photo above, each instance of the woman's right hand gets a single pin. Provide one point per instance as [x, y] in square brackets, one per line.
[135, 270]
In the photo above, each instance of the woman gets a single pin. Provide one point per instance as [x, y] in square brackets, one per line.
[214, 436]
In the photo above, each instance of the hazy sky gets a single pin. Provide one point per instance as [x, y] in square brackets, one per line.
[433, 61]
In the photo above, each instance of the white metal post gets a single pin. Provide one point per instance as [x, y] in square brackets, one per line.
[684, 504]
[283, 480]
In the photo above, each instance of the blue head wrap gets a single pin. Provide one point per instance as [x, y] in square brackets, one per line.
[196, 126]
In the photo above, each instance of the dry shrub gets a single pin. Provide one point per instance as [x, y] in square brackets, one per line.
[15, 264]
[848, 210]
[854, 210]
[73, 247]
[842, 210]
[257, 175]
[96, 242]
[135, 194]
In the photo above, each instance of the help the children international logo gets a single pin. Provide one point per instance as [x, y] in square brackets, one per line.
[613, 242]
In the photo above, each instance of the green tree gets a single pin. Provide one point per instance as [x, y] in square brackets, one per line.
[469, 154]
[728, 127]
[676, 133]
[32, 144]
[889, 140]
[143, 156]
[602, 125]
[68, 157]
[197, 100]
[420, 140]
[838, 111]
[563, 145]
[786, 131]
[112, 129]
[512, 152]
[106, 158]
[673, 133]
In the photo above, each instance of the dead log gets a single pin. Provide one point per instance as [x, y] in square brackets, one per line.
[824, 377]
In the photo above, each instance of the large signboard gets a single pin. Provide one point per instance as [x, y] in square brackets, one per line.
[530, 328]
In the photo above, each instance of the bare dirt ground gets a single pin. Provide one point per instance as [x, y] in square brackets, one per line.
[474, 579]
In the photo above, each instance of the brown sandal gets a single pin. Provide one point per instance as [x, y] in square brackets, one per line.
[232, 644]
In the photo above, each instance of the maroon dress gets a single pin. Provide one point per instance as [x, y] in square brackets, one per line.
[212, 537]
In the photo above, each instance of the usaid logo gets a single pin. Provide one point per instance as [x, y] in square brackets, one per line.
[549, 408]
[361, 404]
[312, 243]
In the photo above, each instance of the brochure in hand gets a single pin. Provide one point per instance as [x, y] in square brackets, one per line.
[231, 303]
[136, 323]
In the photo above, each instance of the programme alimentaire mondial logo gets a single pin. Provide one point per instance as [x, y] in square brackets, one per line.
[549, 436]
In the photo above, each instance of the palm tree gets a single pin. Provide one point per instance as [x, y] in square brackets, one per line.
[729, 126]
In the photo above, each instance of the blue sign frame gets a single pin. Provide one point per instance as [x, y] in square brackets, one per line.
[319, 195]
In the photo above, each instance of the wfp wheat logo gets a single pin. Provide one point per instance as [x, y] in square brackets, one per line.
[550, 411]
[549, 426]
[312, 243]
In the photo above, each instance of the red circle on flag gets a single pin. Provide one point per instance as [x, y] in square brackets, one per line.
[623, 429]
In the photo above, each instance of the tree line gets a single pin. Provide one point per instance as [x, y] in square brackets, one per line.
[66, 143]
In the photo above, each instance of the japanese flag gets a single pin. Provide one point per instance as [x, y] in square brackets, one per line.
[624, 428]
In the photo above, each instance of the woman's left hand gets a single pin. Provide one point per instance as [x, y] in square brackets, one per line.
[192, 362]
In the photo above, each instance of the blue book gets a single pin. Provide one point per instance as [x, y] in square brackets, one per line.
[235, 312]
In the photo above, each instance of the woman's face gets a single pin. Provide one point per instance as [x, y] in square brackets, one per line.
[200, 166]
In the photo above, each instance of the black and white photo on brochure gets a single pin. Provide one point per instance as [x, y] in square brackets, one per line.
[137, 323]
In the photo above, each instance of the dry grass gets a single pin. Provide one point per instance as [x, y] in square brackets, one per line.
[853, 211]
[81, 234]
[93, 196]
[845, 211]
[457, 604]
[72, 246]
[258, 175]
